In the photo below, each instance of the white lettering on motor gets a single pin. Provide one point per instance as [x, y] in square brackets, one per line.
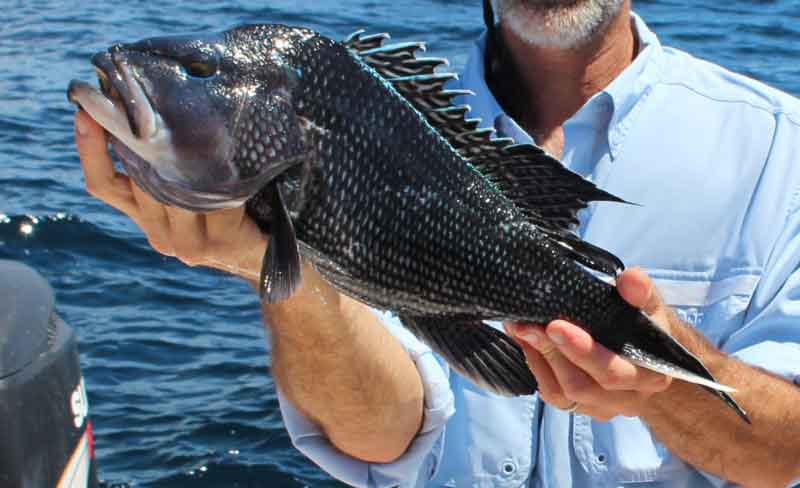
[79, 404]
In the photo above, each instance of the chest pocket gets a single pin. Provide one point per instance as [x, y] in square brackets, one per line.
[717, 308]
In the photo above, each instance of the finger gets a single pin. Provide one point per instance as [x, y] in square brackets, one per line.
[638, 289]
[187, 233]
[608, 369]
[101, 180]
[573, 383]
[524, 335]
[154, 221]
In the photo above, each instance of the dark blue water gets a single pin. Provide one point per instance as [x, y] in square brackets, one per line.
[175, 358]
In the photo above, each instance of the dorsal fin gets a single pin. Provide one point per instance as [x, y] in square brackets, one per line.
[549, 194]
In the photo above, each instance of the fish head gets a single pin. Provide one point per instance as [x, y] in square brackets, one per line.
[200, 122]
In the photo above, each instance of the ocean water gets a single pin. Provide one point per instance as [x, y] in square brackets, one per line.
[175, 359]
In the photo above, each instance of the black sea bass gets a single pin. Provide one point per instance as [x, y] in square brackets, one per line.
[352, 155]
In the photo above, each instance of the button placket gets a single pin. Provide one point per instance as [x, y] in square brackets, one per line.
[595, 463]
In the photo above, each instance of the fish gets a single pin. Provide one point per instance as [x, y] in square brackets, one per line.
[358, 156]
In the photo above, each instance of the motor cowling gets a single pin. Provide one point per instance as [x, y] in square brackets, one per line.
[45, 434]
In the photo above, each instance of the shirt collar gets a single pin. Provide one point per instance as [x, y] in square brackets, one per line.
[625, 91]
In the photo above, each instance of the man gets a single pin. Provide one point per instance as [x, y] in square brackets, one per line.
[709, 156]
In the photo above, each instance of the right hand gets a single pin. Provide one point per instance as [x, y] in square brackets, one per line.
[225, 239]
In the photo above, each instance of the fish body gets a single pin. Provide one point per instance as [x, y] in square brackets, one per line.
[353, 155]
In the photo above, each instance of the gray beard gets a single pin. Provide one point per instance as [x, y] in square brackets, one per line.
[563, 24]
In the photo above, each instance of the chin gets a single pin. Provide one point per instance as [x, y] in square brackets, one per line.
[562, 24]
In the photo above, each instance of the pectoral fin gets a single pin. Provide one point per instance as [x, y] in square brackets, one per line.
[477, 351]
[280, 269]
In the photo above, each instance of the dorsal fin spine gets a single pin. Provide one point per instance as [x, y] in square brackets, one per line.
[545, 192]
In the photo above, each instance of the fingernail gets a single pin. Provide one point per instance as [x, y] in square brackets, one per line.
[80, 126]
[557, 337]
[530, 336]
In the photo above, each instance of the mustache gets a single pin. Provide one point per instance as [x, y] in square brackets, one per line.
[503, 6]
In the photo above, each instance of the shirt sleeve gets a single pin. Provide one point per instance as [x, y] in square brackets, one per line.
[418, 464]
[770, 336]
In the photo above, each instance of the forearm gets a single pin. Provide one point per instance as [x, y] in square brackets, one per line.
[331, 357]
[336, 364]
[696, 427]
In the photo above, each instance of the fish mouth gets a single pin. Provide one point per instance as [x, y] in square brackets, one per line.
[118, 81]
[121, 105]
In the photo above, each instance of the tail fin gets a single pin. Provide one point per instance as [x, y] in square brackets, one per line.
[658, 351]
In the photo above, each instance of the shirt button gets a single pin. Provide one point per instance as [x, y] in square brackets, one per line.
[508, 467]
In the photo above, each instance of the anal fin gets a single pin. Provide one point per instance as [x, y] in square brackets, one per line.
[477, 351]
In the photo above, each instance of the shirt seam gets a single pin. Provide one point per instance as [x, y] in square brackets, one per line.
[775, 112]
[772, 110]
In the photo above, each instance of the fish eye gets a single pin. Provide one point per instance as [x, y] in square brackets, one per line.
[200, 69]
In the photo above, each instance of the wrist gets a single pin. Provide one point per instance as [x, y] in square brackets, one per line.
[315, 312]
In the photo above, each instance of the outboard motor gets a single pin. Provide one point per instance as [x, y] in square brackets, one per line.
[45, 434]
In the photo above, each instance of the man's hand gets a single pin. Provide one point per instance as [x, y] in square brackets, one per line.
[695, 426]
[225, 239]
[571, 367]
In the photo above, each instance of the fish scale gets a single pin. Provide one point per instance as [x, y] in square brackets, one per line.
[433, 170]
[355, 156]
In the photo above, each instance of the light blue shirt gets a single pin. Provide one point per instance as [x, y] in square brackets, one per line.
[712, 157]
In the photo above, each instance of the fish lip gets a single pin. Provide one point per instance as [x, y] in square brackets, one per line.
[121, 78]
[74, 87]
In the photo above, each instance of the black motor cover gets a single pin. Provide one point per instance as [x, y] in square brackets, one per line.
[45, 437]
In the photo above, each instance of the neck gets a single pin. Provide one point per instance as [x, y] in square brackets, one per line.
[553, 83]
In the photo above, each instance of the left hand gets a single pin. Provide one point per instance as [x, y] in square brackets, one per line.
[572, 367]
[224, 239]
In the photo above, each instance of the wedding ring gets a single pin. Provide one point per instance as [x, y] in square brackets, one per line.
[572, 408]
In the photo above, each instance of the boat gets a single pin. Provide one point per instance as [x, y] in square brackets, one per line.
[45, 431]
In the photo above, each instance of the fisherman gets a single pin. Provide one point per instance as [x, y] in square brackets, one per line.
[709, 156]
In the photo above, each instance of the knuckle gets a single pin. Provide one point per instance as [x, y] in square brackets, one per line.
[553, 399]
[612, 379]
[161, 246]
[657, 383]
[629, 411]
[602, 416]
[616, 380]
[153, 226]
[218, 247]
[92, 188]
[191, 253]
[191, 262]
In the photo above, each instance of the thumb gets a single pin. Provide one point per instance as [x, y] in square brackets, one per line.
[639, 290]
